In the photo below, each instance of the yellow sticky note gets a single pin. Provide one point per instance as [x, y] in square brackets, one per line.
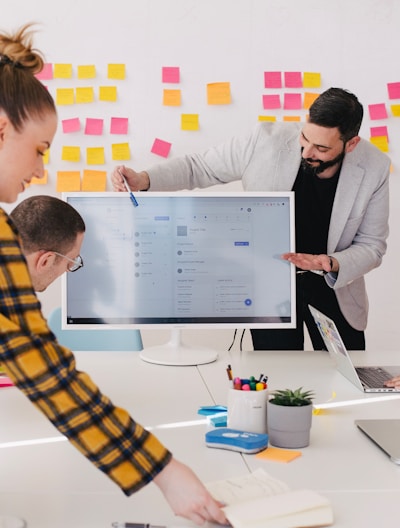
[266, 118]
[62, 71]
[93, 180]
[291, 118]
[68, 181]
[311, 80]
[381, 142]
[65, 96]
[40, 181]
[190, 122]
[71, 153]
[46, 157]
[120, 152]
[84, 94]
[219, 93]
[116, 71]
[278, 455]
[172, 98]
[108, 93]
[95, 156]
[395, 110]
[309, 98]
[86, 71]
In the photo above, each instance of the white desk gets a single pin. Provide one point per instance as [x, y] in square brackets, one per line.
[51, 485]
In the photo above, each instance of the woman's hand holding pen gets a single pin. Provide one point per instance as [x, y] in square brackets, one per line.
[137, 181]
[187, 496]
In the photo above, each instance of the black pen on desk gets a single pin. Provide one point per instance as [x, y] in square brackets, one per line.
[131, 196]
[134, 525]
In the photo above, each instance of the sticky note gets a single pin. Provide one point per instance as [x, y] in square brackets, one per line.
[161, 148]
[108, 93]
[293, 80]
[190, 122]
[266, 118]
[278, 455]
[311, 80]
[46, 73]
[170, 74]
[119, 125]
[94, 127]
[95, 156]
[219, 93]
[71, 125]
[172, 97]
[377, 111]
[379, 131]
[46, 157]
[116, 71]
[292, 101]
[84, 94]
[69, 153]
[40, 181]
[394, 90]
[120, 152]
[381, 142]
[309, 98]
[65, 96]
[68, 181]
[291, 118]
[93, 180]
[271, 102]
[273, 79]
[87, 71]
[395, 110]
[62, 71]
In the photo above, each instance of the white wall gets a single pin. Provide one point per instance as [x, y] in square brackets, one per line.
[354, 44]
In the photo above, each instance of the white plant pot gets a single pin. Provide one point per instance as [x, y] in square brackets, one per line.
[289, 427]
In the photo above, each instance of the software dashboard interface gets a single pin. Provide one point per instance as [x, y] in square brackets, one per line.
[182, 258]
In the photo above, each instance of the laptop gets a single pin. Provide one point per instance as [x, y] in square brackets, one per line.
[385, 433]
[365, 378]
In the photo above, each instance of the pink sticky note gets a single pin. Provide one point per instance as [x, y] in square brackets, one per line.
[292, 101]
[46, 73]
[273, 79]
[379, 131]
[394, 90]
[271, 101]
[161, 148]
[293, 80]
[119, 125]
[94, 127]
[377, 111]
[170, 74]
[71, 125]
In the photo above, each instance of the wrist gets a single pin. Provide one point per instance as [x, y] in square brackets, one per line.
[145, 181]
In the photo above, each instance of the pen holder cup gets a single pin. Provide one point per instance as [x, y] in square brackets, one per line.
[247, 410]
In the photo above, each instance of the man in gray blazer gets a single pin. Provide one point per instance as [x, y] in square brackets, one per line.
[341, 185]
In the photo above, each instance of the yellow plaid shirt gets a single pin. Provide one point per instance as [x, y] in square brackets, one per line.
[45, 372]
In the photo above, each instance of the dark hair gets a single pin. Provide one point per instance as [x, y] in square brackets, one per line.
[338, 108]
[22, 95]
[46, 222]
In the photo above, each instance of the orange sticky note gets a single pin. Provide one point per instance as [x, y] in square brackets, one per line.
[40, 181]
[172, 97]
[93, 180]
[278, 455]
[219, 93]
[309, 98]
[68, 181]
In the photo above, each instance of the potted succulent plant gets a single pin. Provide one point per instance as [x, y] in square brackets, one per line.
[289, 417]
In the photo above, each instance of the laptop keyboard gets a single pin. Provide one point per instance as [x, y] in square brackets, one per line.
[373, 376]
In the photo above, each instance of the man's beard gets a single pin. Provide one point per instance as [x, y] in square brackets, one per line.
[322, 165]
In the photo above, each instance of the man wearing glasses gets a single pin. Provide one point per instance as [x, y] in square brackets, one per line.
[51, 233]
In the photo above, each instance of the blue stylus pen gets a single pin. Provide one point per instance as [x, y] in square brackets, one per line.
[131, 196]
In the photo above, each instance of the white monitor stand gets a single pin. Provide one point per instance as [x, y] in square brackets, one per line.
[176, 353]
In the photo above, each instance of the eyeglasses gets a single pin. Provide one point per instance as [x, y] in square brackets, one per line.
[77, 262]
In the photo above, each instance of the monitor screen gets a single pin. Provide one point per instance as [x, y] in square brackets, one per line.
[183, 259]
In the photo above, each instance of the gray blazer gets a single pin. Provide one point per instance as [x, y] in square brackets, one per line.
[268, 159]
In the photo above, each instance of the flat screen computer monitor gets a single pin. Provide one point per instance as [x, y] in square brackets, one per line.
[182, 259]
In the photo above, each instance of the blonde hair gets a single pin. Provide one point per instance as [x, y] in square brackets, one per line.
[22, 95]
